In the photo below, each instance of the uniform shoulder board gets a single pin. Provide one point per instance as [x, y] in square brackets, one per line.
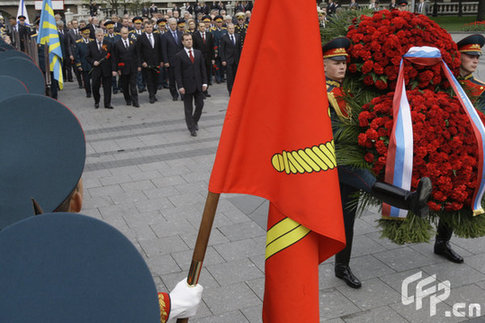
[131, 31]
[156, 32]
[477, 81]
[79, 40]
[34, 35]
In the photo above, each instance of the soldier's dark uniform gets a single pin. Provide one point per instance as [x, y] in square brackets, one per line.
[111, 38]
[472, 45]
[218, 33]
[80, 59]
[41, 55]
[134, 34]
[163, 76]
[352, 180]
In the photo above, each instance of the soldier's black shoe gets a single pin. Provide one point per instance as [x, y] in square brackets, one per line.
[109, 107]
[136, 105]
[193, 133]
[443, 248]
[128, 102]
[196, 127]
[174, 99]
[343, 272]
[88, 95]
[96, 105]
[415, 201]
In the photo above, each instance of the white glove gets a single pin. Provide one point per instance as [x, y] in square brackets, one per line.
[184, 300]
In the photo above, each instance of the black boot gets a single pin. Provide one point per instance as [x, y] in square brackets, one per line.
[415, 201]
[442, 244]
[343, 272]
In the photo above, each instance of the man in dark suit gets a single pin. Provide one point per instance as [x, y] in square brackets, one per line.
[80, 55]
[149, 49]
[170, 47]
[125, 61]
[204, 41]
[230, 50]
[191, 82]
[99, 56]
[66, 73]
[72, 36]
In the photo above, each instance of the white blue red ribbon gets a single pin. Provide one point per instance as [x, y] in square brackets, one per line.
[399, 162]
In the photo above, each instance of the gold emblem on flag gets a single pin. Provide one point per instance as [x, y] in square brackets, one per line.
[307, 160]
[284, 234]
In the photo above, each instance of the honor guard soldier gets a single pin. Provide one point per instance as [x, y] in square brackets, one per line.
[241, 27]
[352, 180]
[42, 62]
[62, 261]
[110, 38]
[402, 5]
[80, 60]
[470, 48]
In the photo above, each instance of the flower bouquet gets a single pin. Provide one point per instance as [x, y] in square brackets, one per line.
[445, 148]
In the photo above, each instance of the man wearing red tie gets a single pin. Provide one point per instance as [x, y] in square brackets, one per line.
[191, 78]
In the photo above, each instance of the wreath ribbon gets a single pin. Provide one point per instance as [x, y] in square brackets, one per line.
[399, 164]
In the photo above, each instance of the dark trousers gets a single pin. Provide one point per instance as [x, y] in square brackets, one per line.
[106, 81]
[67, 70]
[128, 84]
[114, 83]
[171, 82]
[192, 117]
[443, 232]
[208, 69]
[231, 70]
[347, 194]
[151, 78]
[219, 72]
[163, 77]
[140, 82]
[87, 82]
[78, 75]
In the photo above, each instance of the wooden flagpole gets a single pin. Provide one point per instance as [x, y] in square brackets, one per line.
[202, 241]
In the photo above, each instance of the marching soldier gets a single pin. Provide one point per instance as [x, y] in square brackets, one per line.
[80, 56]
[353, 180]
[470, 49]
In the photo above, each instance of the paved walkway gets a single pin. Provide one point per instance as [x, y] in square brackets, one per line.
[148, 177]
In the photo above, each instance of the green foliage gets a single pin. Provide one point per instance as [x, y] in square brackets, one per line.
[477, 26]
[413, 229]
[338, 24]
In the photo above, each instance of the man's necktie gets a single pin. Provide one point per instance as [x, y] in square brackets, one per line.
[233, 40]
[203, 37]
[175, 36]
[191, 56]
[126, 43]
[99, 46]
[150, 37]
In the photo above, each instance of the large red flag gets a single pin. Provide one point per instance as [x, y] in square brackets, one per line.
[277, 143]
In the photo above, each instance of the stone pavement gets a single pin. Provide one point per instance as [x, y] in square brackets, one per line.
[147, 176]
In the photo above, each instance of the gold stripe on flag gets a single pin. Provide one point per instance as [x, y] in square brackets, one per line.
[284, 234]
